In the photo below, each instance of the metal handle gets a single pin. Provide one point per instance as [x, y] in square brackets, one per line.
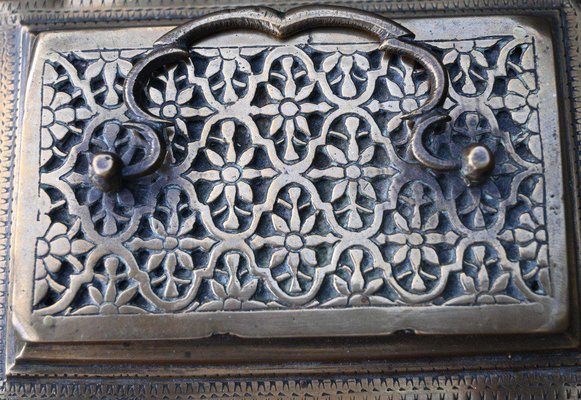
[108, 170]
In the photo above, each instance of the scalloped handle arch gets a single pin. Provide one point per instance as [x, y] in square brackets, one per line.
[392, 37]
[173, 46]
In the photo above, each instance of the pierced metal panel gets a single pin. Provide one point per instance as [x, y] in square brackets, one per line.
[318, 183]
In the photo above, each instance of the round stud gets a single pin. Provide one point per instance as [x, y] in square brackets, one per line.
[106, 171]
[477, 164]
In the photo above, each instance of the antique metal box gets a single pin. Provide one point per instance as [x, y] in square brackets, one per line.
[378, 201]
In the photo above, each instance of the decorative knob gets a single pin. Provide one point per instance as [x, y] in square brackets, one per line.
[477, 163]
[106, 171]
[111, 165]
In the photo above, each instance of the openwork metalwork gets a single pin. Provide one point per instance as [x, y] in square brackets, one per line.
[93, 322]
[477, 161]
[297, 174]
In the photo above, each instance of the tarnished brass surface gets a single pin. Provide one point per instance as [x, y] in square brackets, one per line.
[310, 180]
[324, 185]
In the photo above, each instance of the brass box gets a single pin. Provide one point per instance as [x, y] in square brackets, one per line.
[220, 203]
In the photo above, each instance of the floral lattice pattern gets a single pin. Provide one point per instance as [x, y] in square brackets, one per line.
[289, 183]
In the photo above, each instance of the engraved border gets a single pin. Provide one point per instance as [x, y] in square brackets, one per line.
[555, 375]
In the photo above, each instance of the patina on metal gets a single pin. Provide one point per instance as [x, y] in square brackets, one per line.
[173, 47]
[320, 173]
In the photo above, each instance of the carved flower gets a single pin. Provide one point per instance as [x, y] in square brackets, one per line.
[525, 235]
[289, 109]
[521, 98]
[232, 294]
[351, 67]
[232, 177]
[468, 63]
[172, 103]
[107, 205]
[352, 172]
[471, 58]
[530, 233]
[359, 288]
[482, 289]
[228, 71]
[171, 245]
[467, 51]
[414, 241]
[530, 236]
[415, 245]
[477, 206]
[110, 300]
[406, 93]
[56, 247]
[111, 65]
[58, 244]
[294, 241]
[521, 101]
[58, 114]
[470, 127]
